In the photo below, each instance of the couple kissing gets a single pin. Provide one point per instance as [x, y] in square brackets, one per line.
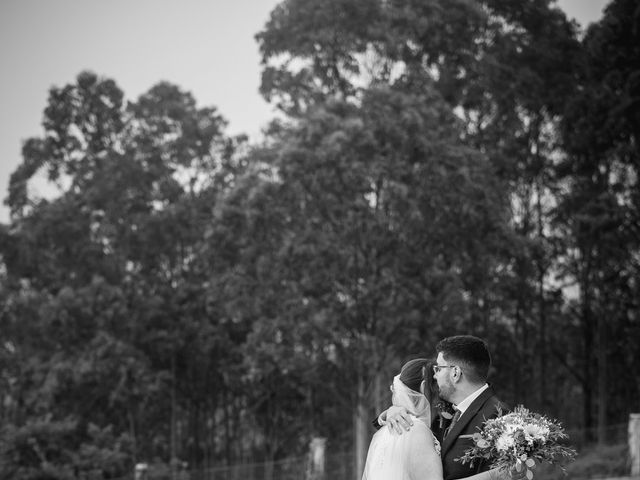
[413, 441]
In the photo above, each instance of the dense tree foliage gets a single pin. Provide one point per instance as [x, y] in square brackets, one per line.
[442, 168]
[598, 213]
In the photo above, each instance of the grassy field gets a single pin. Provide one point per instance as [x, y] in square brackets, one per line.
[592, 462]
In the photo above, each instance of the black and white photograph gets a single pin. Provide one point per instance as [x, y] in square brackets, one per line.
[320, 240]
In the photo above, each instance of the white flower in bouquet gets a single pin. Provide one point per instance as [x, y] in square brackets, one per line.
[535, 433]
[505, 441]
[517, 440]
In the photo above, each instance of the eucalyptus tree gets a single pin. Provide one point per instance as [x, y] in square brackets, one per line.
[504, 69]
[598, 213]
[111, 263]
[369, 225]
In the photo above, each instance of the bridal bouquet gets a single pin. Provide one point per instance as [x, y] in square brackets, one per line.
[516, 440]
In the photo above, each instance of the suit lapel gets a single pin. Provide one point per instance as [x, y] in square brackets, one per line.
[465, 418]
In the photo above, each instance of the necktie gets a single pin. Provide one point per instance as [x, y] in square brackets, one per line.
[454, 420]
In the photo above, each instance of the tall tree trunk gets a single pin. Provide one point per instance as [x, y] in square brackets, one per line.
[227, 427]
[132, 432]
[588, 334]
[602, 380]
[521, 382]
[542, 352]
[174, 415]
[195, 457]
[360, 423]
[380, 400]
[587, 388]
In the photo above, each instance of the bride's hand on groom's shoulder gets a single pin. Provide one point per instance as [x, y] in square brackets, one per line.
[398, 419]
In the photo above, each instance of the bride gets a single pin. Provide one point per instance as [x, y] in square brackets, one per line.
[416, 453]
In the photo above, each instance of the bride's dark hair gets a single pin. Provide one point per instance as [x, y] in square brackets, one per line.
[415, 371]
[431, 386]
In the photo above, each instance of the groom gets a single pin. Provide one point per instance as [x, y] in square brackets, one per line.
[461, 371]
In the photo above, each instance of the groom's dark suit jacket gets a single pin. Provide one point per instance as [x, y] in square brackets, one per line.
[484, 407]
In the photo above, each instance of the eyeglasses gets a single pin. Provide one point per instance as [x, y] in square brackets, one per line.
[437, 368]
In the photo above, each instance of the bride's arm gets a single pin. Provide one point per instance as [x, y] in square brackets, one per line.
[495, 474]
[397, 418]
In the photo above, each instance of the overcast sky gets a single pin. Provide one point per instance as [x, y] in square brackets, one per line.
[206, 47]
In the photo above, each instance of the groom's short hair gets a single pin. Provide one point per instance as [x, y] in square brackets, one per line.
[471, 353]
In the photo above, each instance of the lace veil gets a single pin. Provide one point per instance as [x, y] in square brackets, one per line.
[408, 456]
[415, 402]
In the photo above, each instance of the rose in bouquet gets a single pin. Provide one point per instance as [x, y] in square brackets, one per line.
[517, 440]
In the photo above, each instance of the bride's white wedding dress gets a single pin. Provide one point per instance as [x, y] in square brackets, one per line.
[414, 455]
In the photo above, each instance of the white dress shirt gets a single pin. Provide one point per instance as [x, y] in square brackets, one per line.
[464, 404]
